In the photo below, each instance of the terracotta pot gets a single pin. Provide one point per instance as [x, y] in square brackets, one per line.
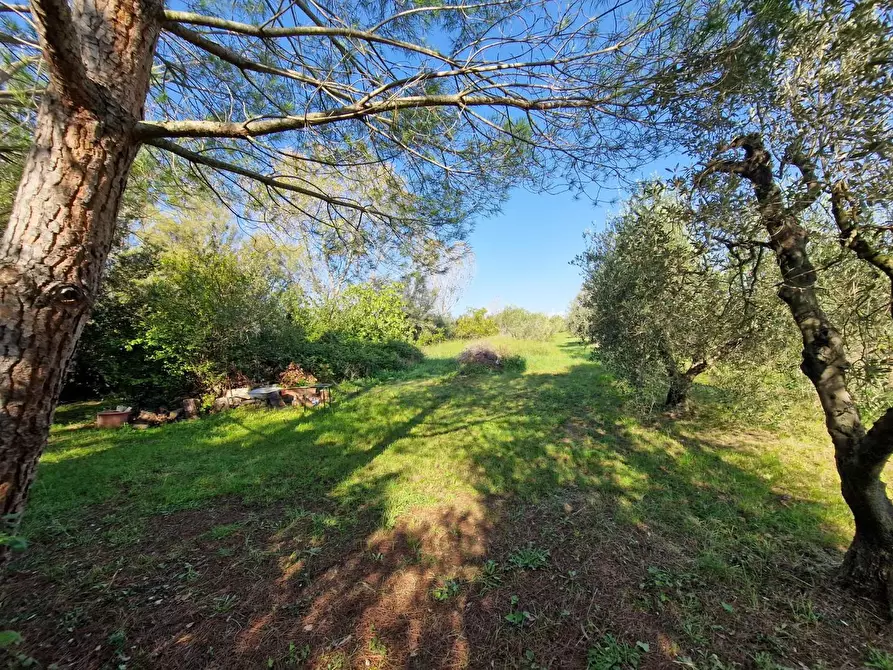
[111, 418]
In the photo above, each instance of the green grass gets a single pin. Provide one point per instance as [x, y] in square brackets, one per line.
[727, 502]
[433, 436]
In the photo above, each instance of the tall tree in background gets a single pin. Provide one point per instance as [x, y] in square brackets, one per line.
[529, 91]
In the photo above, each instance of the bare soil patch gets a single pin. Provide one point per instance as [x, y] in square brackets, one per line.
[235, 586]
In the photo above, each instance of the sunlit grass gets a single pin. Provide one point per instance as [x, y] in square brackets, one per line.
[433, 437]
[536, 492]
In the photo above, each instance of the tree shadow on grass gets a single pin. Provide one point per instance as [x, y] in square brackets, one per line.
[575, 349]
[360, 537]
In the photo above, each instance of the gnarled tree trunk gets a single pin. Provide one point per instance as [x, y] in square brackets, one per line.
[61, 228]
[676, 402]
[860, 462]
[860, 455]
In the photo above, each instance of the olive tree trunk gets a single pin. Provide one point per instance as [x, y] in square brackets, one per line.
[860, 454]
[63, 221]
[676, 402]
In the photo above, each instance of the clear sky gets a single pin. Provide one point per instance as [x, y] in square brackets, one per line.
[523, 255]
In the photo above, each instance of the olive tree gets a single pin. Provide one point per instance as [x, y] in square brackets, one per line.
[798, 133]
[660, 309]
[578, 317]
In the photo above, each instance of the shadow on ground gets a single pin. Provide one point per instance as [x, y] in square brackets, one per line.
[436, 521]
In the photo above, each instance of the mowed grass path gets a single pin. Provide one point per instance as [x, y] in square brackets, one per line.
[441, 520]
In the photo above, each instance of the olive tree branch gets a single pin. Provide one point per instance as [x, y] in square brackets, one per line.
[845, 213]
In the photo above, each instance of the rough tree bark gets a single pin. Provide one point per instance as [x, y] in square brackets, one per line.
[676, 402]
[99, 55]
[860, 455]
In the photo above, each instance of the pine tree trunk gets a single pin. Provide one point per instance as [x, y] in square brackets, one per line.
[63, 220]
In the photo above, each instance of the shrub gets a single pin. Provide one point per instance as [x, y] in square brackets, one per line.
[431, 337]
[204, 313]
[372, 312]
[332, 358]
[525, 325]
[475, 323]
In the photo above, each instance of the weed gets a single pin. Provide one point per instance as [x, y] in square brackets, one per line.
[517, 616]
[443, 592]
[805, 612]
[72, 619]
[489, 576]
[9, 640]
[297, 654]
[189, 573]
[117, 638]
[664, 585]
[224, 603]
[415, 549]
[879, 660]
[694, 629]
[611, 654]
[14, 542]
[763, 660]
[528, 558]
[337, 661]
[528, 661]
[223, 531]
[125, 535]
[706, 662]
[376, 645]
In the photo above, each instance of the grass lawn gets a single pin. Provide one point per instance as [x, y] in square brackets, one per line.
[435, 520]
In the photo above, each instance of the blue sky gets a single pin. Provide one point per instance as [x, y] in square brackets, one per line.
[523, 254]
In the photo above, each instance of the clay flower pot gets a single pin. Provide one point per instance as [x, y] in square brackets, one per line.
[112, 418]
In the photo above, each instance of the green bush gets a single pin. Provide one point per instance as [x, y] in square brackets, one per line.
[199, 312]
[373, 312]
[332, 358]
[475, 323]
[432, 337]
[525, 325]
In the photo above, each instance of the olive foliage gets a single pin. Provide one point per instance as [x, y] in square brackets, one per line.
[657, 306]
